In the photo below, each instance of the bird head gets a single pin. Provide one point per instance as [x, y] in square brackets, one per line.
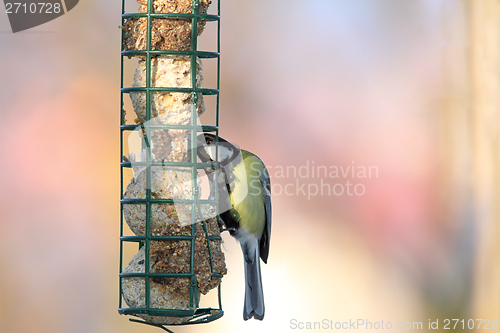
[209, 144]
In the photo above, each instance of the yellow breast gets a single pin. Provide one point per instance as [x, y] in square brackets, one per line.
[248, 196]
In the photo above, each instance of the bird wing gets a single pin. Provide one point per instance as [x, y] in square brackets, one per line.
[266, 234]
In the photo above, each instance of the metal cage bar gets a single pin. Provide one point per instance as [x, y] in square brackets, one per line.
[200, 315]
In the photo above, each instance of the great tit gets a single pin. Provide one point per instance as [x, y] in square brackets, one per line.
[244, 192]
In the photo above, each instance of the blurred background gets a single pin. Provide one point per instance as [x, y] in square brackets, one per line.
[407, 90]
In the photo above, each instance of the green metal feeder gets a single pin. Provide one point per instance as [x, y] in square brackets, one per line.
[193, 314]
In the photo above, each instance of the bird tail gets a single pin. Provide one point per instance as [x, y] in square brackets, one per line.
[254, 295]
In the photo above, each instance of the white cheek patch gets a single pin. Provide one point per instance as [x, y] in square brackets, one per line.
[224, 153]
[210, 151]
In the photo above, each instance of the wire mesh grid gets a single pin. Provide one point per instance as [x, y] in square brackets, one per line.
[195, 313]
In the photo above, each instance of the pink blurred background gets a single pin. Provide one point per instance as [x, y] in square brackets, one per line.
[407, 87]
